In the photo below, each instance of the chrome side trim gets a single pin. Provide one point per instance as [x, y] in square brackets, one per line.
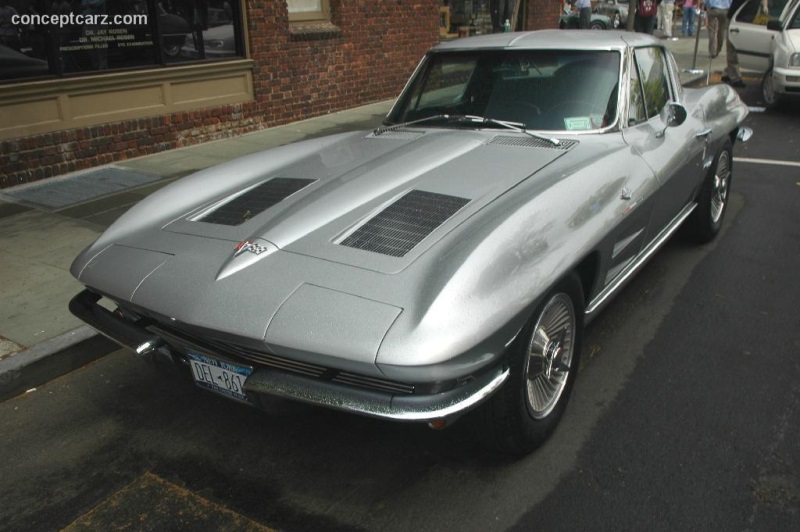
[596, 303]
[376, 404]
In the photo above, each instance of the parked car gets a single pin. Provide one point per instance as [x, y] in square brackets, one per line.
[616, 10]
[772, 48]
[570, 21]
[14, 64]
[173, 31]
[218, 42]
[442, 264]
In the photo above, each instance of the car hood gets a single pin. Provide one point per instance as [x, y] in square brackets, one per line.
[334, 191]
[303, 283]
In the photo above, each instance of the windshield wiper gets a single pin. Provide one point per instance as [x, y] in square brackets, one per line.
[383, 129]
[519, 127]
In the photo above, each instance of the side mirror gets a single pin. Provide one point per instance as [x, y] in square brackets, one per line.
[774, 25]
[673, 114]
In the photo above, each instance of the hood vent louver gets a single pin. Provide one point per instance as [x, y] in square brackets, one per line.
[253, 202]
[405, 223]
[531, 142]
[397, 134]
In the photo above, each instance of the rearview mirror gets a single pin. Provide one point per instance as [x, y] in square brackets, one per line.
[774, 25]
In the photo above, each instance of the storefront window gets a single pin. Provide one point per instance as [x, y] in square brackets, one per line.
[461, 18]
[61, 37]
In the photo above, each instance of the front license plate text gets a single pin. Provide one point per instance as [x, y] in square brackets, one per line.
[219, 376]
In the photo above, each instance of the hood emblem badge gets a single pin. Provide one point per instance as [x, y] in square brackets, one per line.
[250, 246]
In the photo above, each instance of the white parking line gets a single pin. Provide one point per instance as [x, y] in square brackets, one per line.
[766, 161]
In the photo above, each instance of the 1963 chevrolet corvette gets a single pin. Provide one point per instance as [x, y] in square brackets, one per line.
[442, 263]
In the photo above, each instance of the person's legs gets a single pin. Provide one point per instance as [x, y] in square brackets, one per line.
[668, 11]
[733, 74]
[585, 18]
[713, 27]
[650, 25]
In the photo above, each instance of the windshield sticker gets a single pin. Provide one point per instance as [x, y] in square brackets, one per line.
[577, 122]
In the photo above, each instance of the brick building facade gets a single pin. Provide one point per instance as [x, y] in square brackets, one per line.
[287, 70]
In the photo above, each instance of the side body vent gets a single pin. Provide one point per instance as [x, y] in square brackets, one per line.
[531, 142]
[405, 223]
[254, 201]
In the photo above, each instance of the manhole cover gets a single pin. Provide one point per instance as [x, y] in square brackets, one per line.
[60, 192]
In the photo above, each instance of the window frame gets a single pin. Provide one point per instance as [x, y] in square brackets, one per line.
[667, 75]
[323, 14]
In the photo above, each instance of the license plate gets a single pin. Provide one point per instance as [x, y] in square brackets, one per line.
[219, 376]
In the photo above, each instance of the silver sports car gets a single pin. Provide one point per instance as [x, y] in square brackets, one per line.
[442, 263]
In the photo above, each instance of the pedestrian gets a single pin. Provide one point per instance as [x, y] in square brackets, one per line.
[584, 13]
[717, 14]
[687, 25]
[732, 75]
[667, 10]
[645, 19]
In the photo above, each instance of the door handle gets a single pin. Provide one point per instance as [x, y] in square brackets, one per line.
[703, 134]
[735, 30]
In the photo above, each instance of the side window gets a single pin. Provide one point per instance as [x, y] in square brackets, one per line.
[749, 11]
[795, 23]
[636, 110]
[754, 10]
[654, 78]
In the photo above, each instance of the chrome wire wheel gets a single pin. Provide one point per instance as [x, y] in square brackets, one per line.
[719, 192]
[550, 356]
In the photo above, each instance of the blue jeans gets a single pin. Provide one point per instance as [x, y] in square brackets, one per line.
[687, 26]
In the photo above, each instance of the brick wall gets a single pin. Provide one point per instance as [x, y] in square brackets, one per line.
[366, 57]
[543, 14]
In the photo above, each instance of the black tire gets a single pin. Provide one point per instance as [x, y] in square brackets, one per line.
[771, 98]
[171, 47]
[706, 220]
[597, 25]
[543, 361]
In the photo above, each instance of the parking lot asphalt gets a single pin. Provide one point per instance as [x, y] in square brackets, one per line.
[39, 337]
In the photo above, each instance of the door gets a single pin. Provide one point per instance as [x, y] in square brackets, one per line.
[674, 154]
[749, 34]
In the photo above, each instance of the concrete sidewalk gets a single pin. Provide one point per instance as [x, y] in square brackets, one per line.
[38, 244]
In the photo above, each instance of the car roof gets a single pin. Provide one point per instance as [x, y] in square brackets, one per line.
[552, 39]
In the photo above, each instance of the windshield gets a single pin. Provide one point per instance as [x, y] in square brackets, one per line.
[550, 90]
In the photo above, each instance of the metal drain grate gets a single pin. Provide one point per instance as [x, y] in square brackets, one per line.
[60, 192]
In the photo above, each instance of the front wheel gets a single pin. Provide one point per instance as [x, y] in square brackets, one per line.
[706, 220]
[543, 363]
[768, 94]
[596, 25]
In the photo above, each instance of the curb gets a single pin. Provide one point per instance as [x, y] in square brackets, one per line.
[50, 359]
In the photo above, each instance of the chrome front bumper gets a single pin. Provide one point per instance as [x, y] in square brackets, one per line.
[434, 407]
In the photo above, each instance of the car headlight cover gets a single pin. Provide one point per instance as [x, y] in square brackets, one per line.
[794, 61]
